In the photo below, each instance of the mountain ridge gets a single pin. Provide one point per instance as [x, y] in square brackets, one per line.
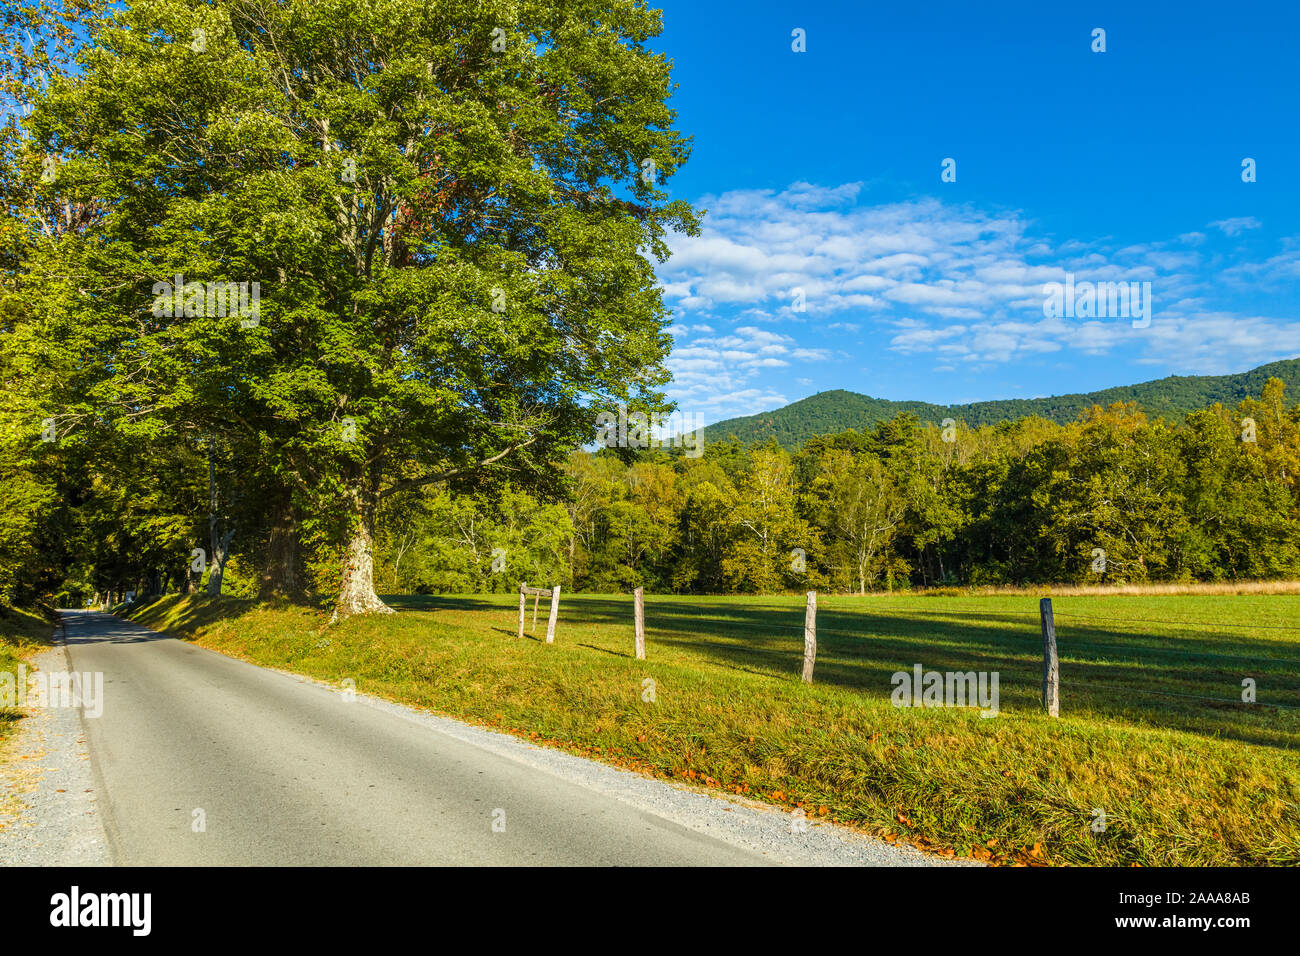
[838, 410]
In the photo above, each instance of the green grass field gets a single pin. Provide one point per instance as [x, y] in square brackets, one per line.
[22, 634]
[1152, 731]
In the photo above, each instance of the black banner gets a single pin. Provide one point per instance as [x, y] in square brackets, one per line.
[904, 905]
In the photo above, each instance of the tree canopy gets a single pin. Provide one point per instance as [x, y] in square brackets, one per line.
[340, 251]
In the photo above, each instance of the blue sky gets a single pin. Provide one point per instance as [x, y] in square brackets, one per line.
[821, 171]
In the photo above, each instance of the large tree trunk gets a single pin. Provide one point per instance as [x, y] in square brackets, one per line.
[220, 553]
[280, 574]
[220, 546]
[357, 593]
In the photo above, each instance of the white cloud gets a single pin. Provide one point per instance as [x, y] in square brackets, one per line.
[713, 375]
[1196, 343]
[923, 276]
[1236, 225]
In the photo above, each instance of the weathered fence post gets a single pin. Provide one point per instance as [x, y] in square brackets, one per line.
[1051, 667]
[555, 611]
[639, 617]
[809, 637]
[523, 603]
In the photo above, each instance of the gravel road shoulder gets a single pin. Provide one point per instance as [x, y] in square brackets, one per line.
[49, 812]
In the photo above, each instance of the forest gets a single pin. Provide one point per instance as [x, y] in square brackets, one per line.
[1114, 497]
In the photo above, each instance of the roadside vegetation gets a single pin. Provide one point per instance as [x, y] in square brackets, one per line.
[1151, 734]
[22, 634]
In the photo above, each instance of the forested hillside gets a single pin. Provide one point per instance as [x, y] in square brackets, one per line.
[829, 412]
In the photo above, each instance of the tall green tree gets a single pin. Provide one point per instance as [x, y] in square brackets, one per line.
[860, 506]
[766, 526]
[450, 211]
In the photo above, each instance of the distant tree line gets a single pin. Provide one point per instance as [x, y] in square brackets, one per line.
[1112, 498]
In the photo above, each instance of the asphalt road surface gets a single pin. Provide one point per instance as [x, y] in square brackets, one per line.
[283, 771]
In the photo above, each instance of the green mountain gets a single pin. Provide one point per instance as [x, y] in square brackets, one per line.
[827, 413]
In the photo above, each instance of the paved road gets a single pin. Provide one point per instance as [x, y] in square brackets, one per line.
[287, 771]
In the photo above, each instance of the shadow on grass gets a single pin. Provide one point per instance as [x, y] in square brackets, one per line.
[197, 611]
[32, 626]
[1190, 683]
[1138, 675]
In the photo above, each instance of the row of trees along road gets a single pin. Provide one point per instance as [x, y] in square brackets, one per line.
[450, 209]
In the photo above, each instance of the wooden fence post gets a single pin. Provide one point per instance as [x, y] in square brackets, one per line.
[1051, 667]
[523, 602]
[639, 617]
[555, 611]
[809, 637]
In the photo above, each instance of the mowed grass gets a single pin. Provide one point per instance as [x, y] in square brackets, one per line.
[22, 634]
[1152, 730]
